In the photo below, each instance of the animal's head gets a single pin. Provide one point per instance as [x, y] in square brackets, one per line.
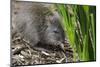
[54, 33]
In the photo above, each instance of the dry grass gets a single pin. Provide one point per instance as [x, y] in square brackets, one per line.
[23, 54]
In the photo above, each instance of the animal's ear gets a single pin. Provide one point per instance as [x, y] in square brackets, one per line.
[53, 18]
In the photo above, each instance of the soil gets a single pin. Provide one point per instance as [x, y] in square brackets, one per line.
[23, 54]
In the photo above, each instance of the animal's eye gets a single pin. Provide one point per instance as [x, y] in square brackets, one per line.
[55, 31]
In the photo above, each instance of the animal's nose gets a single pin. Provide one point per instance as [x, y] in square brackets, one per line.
[61, 45]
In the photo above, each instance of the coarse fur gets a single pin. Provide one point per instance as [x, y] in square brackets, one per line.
[37, 24]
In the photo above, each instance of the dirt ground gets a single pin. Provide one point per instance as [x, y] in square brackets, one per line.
[23, 54]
